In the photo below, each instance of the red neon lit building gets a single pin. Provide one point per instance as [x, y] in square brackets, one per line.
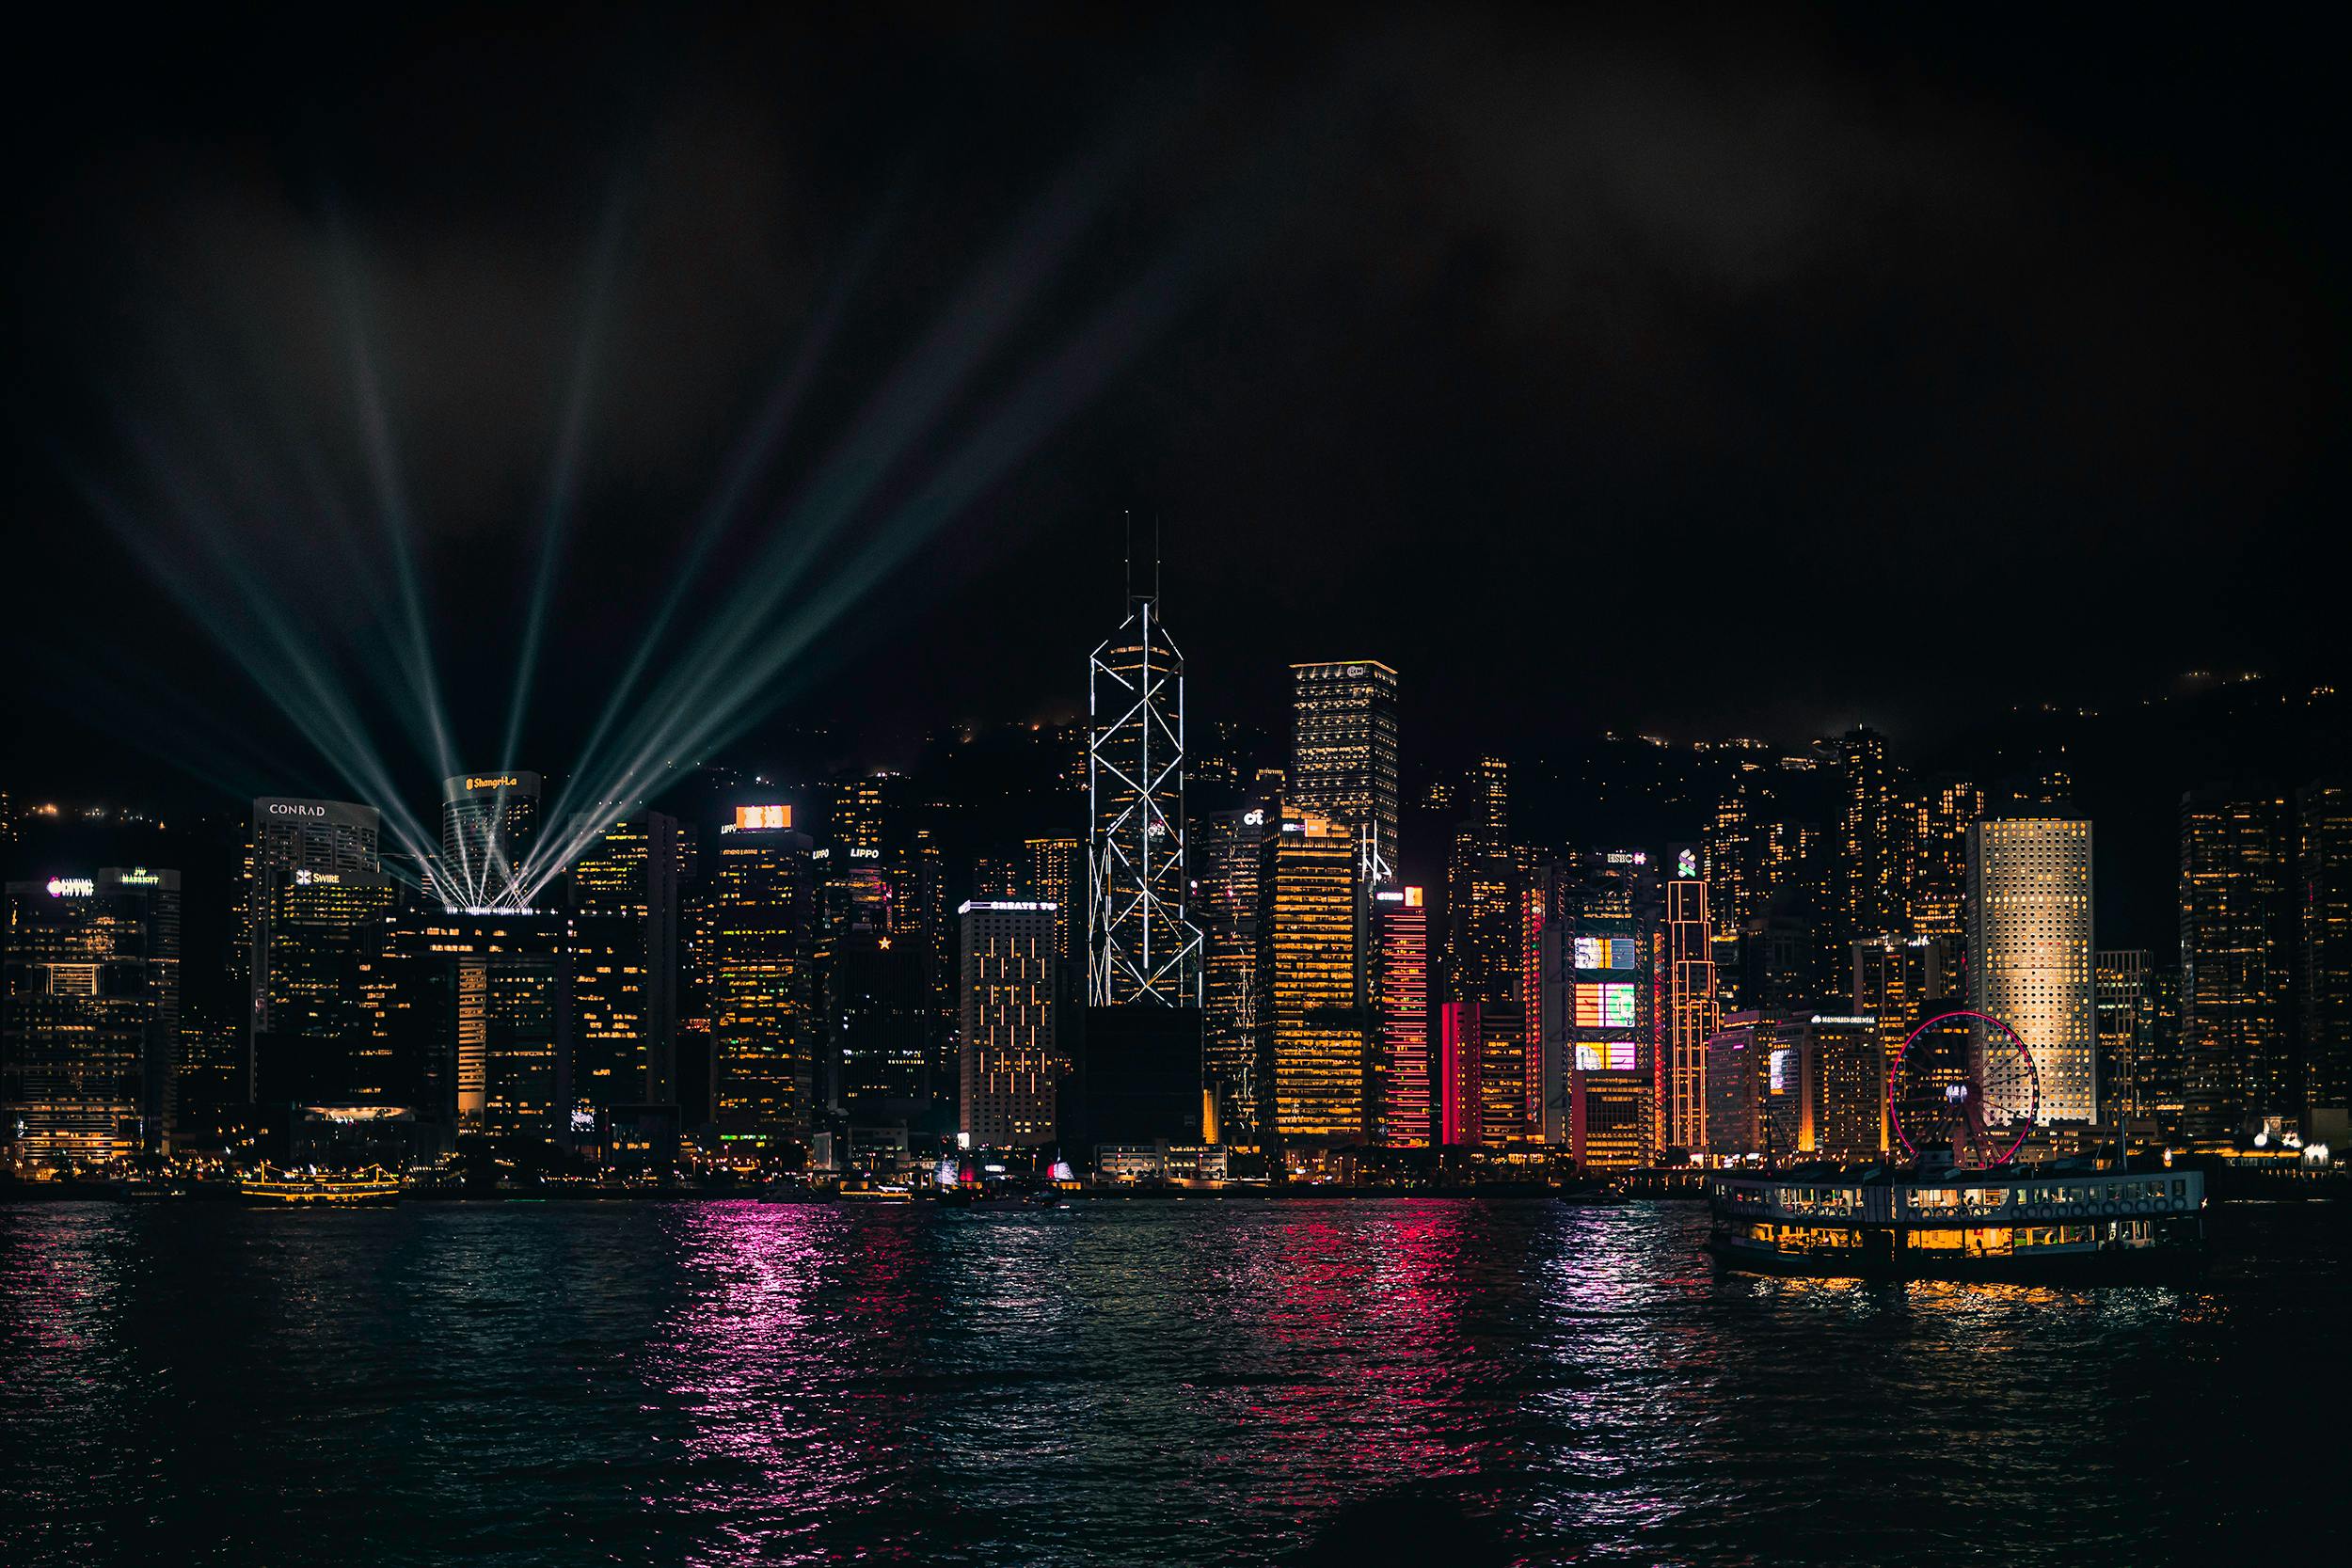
[1401, 937]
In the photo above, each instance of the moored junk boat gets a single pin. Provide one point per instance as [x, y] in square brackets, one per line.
[2053, 1223]
[311, 1189]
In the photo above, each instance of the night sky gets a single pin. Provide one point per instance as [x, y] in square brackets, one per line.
[1723, 372]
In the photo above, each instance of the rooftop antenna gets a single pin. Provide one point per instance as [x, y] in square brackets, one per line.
[1127, 575]
[1155, 558]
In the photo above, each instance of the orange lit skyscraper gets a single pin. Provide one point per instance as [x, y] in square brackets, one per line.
[1311, 1044]
[762, 918]
[1691, 1013]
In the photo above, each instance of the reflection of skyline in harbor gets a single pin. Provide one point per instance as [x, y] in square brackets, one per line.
[1114, 1383]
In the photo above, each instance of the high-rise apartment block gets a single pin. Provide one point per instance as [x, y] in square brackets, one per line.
[1935, 878]
[1870, 843]
[2236, 1005]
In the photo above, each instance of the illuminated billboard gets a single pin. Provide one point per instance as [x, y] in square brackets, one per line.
[753, 819]
[1607, 1006]
[1607, 1055]
[1605, 952]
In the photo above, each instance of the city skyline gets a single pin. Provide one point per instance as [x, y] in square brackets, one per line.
[1469, 784]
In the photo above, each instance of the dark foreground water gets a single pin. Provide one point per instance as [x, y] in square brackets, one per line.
[1447, 1381]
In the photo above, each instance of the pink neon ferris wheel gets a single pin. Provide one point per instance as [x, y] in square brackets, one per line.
[1963, 1080]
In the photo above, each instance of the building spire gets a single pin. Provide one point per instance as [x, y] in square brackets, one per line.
[1151, 595]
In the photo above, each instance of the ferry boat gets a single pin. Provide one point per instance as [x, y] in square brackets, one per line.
[2050, 1222]
[862, 1192]
[308, 1189]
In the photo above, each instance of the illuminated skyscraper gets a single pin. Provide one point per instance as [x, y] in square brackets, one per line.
[1897, 979]
[1461, 1075]
[2236, 934]
[1494, 908]
[1312, 1039]
[1000, 878]
[316, 898]
[1486, 880]
[1595, 1010]
[762, 917]
[488, 821]
[311, 1039]
[314, 836]
[1841, 1066]
[1870, 844]
[1691, 1014]
[1140, 946]
[1344, 756]
[472, 1018]
[1935, 878]
[1012, 1067]
[1894, 977]
[1054, 868]
[1727, 858]
[625, 907]
[89, 1015]
[2125, 1025]
[1401, 969]
[2030, 954]
[1229, 851]
[2323, 889]
[1611, 1124]
[1754, 1087]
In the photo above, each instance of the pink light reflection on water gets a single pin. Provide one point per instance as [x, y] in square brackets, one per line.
[1379, 1292]
[782, 1356]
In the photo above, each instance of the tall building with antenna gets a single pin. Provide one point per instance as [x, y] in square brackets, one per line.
[1140, 948]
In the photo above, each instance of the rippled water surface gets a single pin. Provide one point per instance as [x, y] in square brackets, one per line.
[1119, 1383]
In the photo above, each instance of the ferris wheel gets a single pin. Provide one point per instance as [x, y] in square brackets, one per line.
[1963, 1080]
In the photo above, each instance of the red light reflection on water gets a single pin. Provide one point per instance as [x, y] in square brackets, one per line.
[1379, 1297]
